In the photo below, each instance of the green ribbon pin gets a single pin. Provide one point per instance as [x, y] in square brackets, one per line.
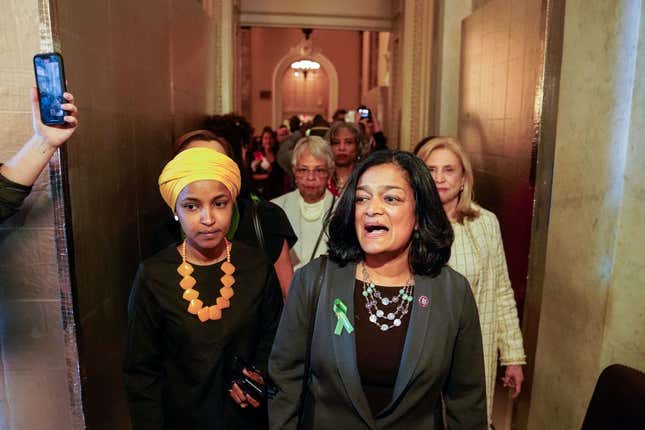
[340, 309]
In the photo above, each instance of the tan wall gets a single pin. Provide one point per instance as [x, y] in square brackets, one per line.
[142, 73]
[34, 390]
[594, 275]
[452, 12]
[270, 45]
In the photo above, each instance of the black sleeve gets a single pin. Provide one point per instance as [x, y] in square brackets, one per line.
[142, 367]
[465, 387]
[287, 361]
[11, 197]
[276, 228]
[270, 311]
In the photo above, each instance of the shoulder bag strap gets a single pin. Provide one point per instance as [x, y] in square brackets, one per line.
[257, 226]
[312, 323]
[324, 227]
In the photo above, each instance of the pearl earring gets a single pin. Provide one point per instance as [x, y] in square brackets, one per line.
[176, 217]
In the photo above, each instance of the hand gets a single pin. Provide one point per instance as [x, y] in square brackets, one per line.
[54, 135]
[264, 163]
[242, 398]
[513, 378]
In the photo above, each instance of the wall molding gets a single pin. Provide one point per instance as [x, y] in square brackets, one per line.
[296, 20]
[416, 79]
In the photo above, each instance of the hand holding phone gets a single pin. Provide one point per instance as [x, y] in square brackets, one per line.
[50, 81]
[54, 135]
[249, 385]
[53, 110]
[364, 112]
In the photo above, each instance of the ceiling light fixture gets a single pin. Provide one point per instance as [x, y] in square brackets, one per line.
[305, 66]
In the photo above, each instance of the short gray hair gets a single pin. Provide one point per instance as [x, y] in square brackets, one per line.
[317, 147]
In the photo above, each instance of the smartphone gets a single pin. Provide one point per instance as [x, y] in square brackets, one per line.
[364, 112]
[50, 81]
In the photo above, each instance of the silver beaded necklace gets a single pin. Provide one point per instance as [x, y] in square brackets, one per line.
[373, 297]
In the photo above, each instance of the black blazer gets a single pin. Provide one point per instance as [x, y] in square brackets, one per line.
[442, 354]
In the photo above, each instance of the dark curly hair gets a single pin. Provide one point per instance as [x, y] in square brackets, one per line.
[430, 247]
[238, 133]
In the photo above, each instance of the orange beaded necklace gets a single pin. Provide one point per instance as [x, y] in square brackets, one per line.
[196, 306]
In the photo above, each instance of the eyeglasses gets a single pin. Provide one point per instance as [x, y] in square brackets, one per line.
[318, 172]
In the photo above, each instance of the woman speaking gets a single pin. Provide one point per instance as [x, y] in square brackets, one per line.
[374, 337]
[198, 305]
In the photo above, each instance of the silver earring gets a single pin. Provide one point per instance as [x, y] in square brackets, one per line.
[176, 217]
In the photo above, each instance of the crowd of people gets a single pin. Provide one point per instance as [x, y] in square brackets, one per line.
[310, 278]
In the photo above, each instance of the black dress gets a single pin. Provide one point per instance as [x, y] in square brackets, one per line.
[178, 369]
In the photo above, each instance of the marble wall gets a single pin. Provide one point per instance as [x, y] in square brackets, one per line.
[594, 274]
[142, 73]
[34, 388]
[624, 337]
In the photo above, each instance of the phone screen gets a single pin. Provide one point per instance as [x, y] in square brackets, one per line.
[50, 80]
[364, 112]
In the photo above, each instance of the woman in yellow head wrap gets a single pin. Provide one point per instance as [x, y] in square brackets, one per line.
[198, 305]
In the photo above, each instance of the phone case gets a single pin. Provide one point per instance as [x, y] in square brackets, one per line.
[49, 98]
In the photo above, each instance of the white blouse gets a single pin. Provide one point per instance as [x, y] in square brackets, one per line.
[307, 220]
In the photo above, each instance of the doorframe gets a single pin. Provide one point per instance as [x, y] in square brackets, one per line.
[282, 66]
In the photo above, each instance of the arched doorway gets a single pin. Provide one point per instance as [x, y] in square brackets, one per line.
[304, 94]
[326, 67]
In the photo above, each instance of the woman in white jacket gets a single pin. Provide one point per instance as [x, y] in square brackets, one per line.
[309, 206]
[478, 254]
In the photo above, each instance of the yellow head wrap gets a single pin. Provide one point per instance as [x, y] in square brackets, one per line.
[198, 164]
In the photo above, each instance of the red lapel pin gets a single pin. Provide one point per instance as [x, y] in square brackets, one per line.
[424, 301]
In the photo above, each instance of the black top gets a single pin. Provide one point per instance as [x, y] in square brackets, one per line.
[178, 369]
[378, 353]
[275, 228]
[380, 142]
[11, 197]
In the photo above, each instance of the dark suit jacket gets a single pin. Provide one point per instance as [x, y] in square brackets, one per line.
[442, 354]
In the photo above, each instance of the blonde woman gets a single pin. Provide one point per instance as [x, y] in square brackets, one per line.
[478, 254]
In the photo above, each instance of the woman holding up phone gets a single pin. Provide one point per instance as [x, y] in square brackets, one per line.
[20, 172]
[199, 308]
[268, 176]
